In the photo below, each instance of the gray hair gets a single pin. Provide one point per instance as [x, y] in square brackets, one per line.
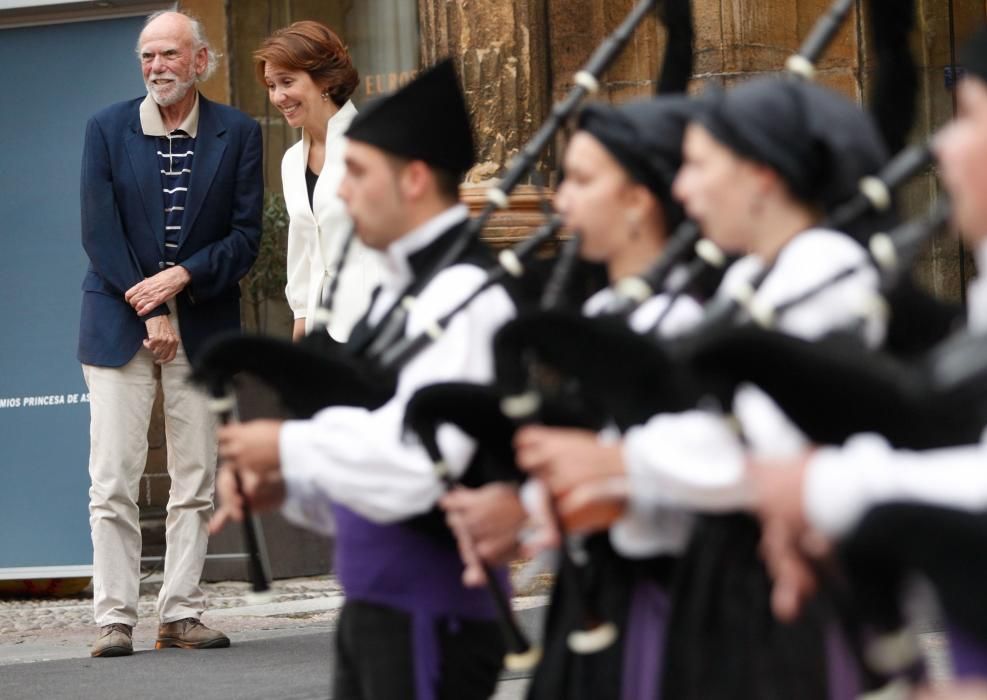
[199, 40]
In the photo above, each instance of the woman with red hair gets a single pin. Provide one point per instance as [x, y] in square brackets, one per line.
[309, 78]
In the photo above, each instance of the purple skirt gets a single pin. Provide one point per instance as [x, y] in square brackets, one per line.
[969, 655]
[410, 571]
[644, 641]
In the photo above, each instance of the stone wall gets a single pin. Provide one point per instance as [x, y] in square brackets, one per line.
[735, 39]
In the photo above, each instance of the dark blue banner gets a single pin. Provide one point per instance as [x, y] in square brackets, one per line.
[57, 76]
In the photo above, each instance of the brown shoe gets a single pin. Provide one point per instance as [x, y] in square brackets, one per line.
[189, 633]
[114, 640]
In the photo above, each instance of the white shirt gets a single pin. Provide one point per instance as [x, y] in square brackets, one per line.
[696, 459]
[843, 483]
[315, 238]
[152, 123]
[648, 529]
[684, 315]
[360, 457]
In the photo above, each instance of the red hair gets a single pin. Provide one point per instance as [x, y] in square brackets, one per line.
[314, 48]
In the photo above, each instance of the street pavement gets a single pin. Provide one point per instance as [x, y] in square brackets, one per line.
[282, 648]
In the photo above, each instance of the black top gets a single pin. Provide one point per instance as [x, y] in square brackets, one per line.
[310, 179]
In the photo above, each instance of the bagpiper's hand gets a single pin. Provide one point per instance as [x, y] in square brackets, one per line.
[594, 506]
[298, 330]
[564, 457]
[249, 451]
[162, 340]
[252, 446]
[788, 563]
[778, 486]
[953, 690]
[229, 506]
[152, 292]
[788, 545]
[491, 516]
[473, 574]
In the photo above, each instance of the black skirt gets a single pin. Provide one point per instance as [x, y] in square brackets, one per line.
[723, 641]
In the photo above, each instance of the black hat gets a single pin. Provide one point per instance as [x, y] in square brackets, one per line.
[819, 142]
[973, 55]
[645, 137]
[425, 120]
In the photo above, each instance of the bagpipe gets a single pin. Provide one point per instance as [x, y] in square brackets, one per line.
[319, 372]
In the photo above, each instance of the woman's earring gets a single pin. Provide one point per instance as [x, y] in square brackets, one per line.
[635, 223]
[325, 95]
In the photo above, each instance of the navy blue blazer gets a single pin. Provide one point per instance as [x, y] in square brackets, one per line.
[123, 227]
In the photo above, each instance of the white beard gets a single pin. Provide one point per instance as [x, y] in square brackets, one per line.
[169, 95]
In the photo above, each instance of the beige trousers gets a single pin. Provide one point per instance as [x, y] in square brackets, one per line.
[121, 399]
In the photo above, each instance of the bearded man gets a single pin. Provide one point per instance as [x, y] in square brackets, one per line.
[172, 189]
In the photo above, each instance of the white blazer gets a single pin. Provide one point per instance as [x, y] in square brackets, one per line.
[315, 240]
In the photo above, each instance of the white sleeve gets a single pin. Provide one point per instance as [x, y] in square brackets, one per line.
[299, 257]
[360, 457]
[691, 460]
[843, 483]
[647, 530]
[976, 296]
[299, 272]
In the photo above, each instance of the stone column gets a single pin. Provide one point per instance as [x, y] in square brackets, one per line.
[945, 267]
[578, 27]
[733, 38]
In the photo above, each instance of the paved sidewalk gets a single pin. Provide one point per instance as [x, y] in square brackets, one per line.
[58, 628]
[36, 630]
